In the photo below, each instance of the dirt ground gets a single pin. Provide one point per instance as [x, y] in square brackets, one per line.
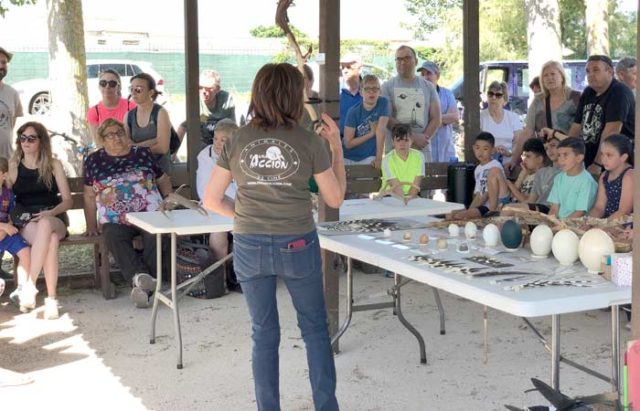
[97, 356]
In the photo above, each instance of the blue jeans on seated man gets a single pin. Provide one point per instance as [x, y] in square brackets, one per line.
[259, 260]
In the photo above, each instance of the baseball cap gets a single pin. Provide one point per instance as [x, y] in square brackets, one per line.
[351, 58]
[429, 66]
[6, 53]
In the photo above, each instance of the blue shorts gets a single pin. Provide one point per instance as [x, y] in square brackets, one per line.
[13, 244]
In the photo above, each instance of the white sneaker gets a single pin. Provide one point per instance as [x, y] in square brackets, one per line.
[1, 286]
[145, 282]
[50, 309]
[27, 297]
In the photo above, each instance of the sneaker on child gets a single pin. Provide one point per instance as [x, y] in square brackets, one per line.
[27, 297]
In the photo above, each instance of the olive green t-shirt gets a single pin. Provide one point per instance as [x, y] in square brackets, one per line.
[272, 170]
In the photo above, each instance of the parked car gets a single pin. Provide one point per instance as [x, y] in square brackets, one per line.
[516, 75]
[36, 98]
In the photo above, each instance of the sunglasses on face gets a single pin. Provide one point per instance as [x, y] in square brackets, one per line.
[113, 135]
[27, 138]
[136, 89]
[496, 95]
[109, 83]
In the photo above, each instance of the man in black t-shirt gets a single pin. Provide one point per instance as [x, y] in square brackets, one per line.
[606, 107]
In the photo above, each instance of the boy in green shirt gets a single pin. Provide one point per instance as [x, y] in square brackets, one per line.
[402, 167]
[574, 190]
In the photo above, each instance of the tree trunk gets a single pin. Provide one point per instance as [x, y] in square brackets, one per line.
[597, 18]
[543, 33]
[67, 76]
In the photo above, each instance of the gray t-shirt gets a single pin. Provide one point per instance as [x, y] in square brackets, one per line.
[272, 171]
[410, 102]
[561, 118]
[543, 183]
[10, 108]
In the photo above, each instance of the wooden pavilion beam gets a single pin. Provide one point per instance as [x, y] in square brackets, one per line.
[192, 68]
[471, 61]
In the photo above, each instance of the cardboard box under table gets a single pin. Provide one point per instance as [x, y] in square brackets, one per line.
[175, 223]
[519, 296]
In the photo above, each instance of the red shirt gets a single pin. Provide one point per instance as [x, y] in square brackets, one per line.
[99, 113]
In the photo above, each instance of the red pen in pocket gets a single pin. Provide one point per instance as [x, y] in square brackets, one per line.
[297, 244]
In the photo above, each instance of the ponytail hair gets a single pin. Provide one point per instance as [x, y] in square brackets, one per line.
[622, 144]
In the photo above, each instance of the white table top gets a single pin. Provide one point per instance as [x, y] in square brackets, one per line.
[181, 222]
[390, 207]
[528, 302]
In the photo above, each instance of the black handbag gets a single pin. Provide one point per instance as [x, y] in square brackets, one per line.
[20, 215]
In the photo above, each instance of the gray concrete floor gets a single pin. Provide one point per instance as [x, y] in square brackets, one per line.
[97, 356]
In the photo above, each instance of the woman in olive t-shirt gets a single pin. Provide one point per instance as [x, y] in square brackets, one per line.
[271, 160]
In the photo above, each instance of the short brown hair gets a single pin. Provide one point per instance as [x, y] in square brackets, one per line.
[226, 125]
[276, 96]
[110, 122]
[500, 86]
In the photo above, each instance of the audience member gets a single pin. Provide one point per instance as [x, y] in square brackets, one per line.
[365, 126]
[535, 86]
[207, 159]
[534, 158]
[503, 124]
[10, 238]
[350, 95]
[148, 124]
[606, 107]
[10, 106]
[627, 72]
[414, 101]
[558, 97]
[402, 167]
[312, 97]
[574, 189]
[542, 182]
[120, 178]
[491, 190]
[615, 189]
[442, 145]
[41, 188]
[215, 105]
[112, 105]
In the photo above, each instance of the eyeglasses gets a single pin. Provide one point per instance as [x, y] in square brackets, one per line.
[371, 89]
[404, 59]
[136, 89]
[113, 135]
[110, 83]
[496, 95]
[27, 138]
[207, 89]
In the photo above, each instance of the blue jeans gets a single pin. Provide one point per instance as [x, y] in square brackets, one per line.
[259, 259]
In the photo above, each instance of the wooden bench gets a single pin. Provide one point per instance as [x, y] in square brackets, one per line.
[363, 179]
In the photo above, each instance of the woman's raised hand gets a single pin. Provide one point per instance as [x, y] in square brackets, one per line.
[330, 131]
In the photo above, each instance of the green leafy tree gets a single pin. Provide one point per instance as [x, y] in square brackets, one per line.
[3, 4]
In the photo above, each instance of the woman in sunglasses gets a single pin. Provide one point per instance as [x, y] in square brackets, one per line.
[505, 125]
[112, 104]
[41, 187]
[148, 124]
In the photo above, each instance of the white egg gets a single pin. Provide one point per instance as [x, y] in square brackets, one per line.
[470, 230]
[540, 240]
[593, 245]
[565, 247]
[454, 230]
[491, 235]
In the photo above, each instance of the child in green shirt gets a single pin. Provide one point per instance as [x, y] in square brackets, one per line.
[402, 167]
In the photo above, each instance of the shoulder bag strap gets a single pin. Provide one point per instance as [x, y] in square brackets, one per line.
[547, 102]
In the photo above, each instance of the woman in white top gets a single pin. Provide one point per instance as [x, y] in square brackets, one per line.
[503, 124]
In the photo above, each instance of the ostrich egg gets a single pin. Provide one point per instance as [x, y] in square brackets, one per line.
[470, 230]
[454, 230]
[511, 235]
[540, 240]
[491, 235]
[594, 244]
[565, 247]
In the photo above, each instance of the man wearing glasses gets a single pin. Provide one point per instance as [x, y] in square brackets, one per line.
[10, 107]
[414, 101]
[215, 104]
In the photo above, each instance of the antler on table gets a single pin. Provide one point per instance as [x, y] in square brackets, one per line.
[282, 20]
[174, 199]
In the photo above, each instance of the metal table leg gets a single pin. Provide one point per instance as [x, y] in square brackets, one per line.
[174, 298]
[349, 312]
[436, 296]
[615, 348]
[412, 330]
[555, 351]
[154, 311]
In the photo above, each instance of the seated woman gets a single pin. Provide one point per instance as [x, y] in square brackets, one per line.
[41, 187]
[120, 178]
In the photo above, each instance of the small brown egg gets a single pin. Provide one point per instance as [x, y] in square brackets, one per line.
[442, 244]
[424, 239]
[407, 236]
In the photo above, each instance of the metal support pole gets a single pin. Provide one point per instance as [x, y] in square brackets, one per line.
[555, 351]
[615, 348]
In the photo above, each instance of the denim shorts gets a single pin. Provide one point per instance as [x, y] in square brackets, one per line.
[13, 244]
